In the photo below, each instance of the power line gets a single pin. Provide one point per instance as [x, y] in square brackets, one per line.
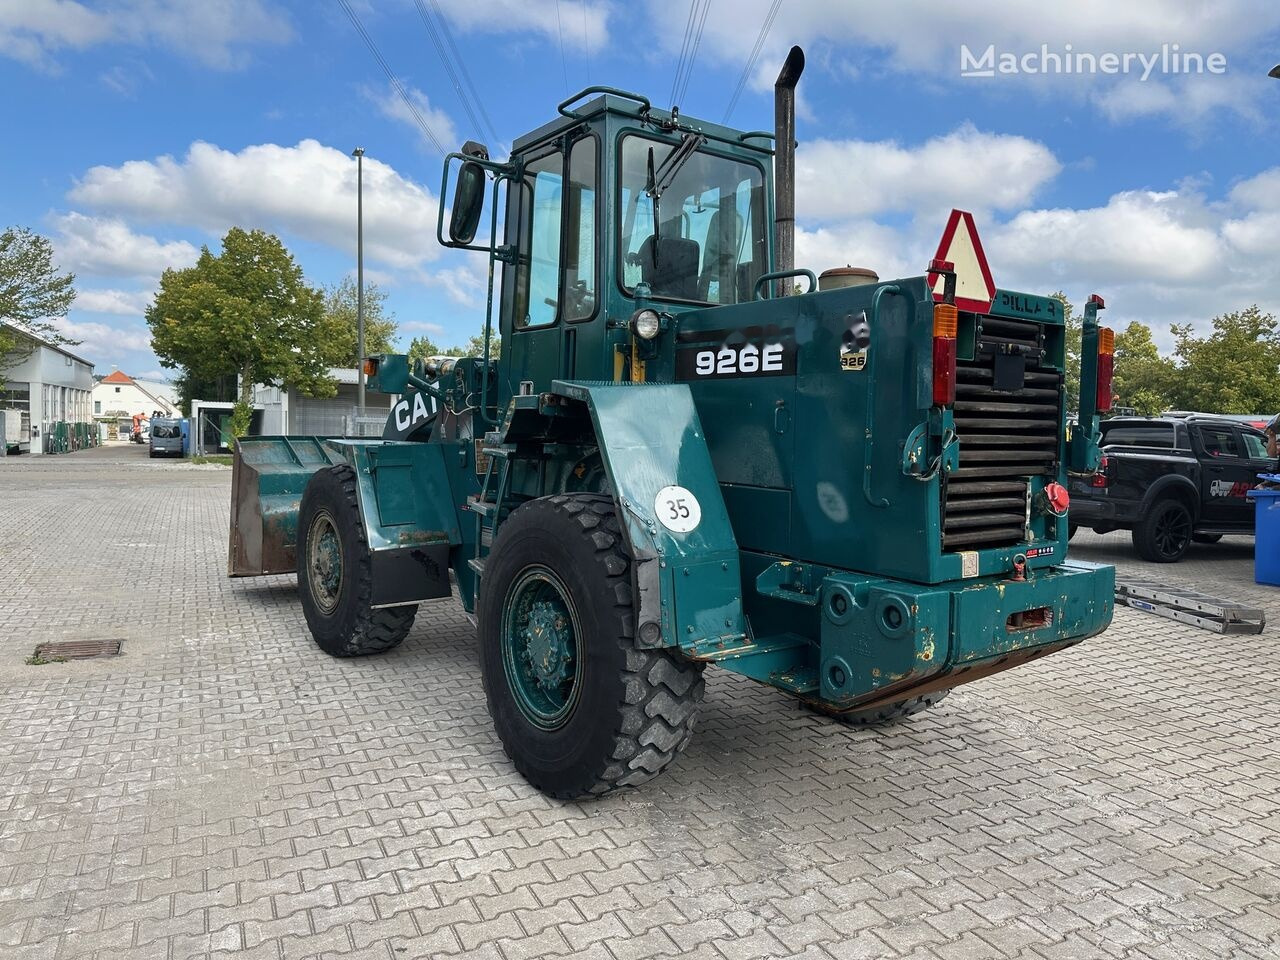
[564, 66]
[466, 74]
[438, 40]
[765, 27]
[586, 39]
[684, 49]
[693, 52]
[395, 81]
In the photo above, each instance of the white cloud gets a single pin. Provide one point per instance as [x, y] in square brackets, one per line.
[308, 190]
[128, 303]
[211, 33]
[100, 339]
[965, 168]
[584, 26]
[391, 105]
[923, 37]
[109, 247]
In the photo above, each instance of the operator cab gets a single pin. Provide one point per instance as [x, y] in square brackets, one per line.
[612, 208]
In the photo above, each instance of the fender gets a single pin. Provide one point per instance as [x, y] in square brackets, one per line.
[408, 522]
[1167, 484]
[687, 584]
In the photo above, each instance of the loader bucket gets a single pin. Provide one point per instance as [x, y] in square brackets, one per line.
[268, 476]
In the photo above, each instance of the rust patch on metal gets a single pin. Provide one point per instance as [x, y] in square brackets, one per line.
[408, 537]
[77, 649]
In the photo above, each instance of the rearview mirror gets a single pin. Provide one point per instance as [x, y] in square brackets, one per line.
[468, 203]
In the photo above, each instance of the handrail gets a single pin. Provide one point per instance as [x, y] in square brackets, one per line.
[782, 275]
[645, 105]
[889, 289]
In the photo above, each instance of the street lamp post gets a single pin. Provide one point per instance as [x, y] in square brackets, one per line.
[358, 153]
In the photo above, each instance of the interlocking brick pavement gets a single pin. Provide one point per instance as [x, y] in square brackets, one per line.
[223, 789]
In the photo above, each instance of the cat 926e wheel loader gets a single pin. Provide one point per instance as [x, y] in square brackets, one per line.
[853, 495]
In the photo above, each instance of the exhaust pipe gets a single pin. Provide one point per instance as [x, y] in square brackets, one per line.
[784, 127]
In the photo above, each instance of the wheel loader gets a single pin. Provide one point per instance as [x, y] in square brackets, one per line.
[690, 453]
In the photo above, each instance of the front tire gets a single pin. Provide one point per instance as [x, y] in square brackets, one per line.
[335, 571]
[579, 709]
[1164, 533]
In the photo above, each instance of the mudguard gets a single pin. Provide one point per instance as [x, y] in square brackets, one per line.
[687, 579]
[409, 518]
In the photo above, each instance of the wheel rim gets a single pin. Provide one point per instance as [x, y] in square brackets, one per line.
[540, 650]
[1173, 531]
[324, 561]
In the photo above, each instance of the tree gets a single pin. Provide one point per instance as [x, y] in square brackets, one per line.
[247, 312]
[1143, 379]
[422, 347]
[1236, 369]
[1074, 334]
[339, 322]
[33, 293]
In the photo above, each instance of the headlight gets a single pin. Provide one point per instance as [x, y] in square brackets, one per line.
[646, 324]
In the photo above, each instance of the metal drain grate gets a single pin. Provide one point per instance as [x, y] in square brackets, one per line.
[77, 649]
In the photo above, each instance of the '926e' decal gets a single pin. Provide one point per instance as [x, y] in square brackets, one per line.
[737, 356]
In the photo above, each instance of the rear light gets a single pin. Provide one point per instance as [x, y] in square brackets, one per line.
[944, 354]
[1101, 477]
[1106, 366]
[370, 366]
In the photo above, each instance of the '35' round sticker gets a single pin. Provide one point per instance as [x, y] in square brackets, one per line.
[677, 509]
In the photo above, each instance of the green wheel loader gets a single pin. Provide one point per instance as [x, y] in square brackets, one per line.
[853, 494]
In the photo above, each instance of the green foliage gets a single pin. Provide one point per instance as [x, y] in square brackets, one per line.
[32, 294]
[241, 416]
[1071, 376]
[246, 311]
[422, 347]
[1236, 369]
[1143, 379]
[338, 324]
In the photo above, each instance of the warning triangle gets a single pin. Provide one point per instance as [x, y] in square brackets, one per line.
[962, 247]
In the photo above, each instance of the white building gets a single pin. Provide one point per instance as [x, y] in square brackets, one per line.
[118, 394]
[289, 412]
[49, 386]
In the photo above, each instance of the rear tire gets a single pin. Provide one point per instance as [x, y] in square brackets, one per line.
[335, 571]
[890, 713]
[1164, 533]
[579, 709]
[1072, 529]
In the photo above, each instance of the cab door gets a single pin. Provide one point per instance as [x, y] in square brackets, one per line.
[553, 279]
[1226, 473]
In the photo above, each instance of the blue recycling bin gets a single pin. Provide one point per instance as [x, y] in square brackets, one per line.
[1266, 540]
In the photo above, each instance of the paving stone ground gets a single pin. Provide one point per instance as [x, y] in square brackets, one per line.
[224, 789]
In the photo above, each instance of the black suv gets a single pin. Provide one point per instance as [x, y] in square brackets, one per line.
[1172, 480]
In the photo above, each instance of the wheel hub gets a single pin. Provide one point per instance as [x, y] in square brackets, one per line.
[547, 644]
[540, 647]
[324, 562]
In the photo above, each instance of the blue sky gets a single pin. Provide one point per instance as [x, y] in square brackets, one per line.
[148, 127]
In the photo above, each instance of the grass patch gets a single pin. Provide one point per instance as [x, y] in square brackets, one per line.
[35, 660]
[220, 459]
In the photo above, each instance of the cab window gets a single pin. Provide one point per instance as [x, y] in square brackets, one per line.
[1219, 441]
[703, 239]
[538, 267]
[1255, 446]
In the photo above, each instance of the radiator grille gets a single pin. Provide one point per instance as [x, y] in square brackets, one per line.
[1006, 436]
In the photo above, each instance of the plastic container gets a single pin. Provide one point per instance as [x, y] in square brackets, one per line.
[1266, 540]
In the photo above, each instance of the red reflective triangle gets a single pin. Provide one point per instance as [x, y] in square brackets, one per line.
[975, 290]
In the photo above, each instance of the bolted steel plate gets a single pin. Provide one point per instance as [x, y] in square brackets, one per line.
[77, 649]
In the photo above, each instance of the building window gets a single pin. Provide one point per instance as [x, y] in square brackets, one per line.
[117, 389]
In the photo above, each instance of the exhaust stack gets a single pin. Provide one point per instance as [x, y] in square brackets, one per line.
[784, 123]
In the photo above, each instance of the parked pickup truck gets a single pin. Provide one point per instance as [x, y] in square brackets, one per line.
[1172, 480]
